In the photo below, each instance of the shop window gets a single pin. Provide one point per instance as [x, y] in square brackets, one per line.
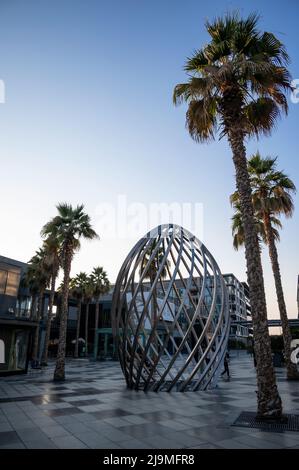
[9, 280]
[14, 345]
[3, 278]
[12, 285]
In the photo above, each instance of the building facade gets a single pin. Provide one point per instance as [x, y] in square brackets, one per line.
[238, 298]
[16, 325]
[239, 307]
[18, 322]
[18, 319]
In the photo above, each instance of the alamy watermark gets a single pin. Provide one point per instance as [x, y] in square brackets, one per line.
[295, 91]
[123, 219]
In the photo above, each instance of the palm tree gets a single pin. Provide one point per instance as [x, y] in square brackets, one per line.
[238, 228]
[151, 273]
[237, 84]
[29, 281]
[38, 274]
[52, 259]
[68, 227]
[100, 286]
[87, 300]
[271, 196]
[77, 290]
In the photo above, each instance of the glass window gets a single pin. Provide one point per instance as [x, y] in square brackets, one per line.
[12, 285]
[3, 278]
[14, 346]
[23, 307]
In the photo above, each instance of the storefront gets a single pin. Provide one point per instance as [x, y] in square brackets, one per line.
[104, 347]
[15, 345]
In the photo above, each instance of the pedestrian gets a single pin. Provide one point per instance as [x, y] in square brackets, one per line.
[254, 358]
[226, 368]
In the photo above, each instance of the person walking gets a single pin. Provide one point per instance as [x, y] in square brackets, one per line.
[254, 358]
[226, 368]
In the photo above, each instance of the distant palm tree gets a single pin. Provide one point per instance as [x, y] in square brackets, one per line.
[237, 84]
[87, 300]
[151, 274]
[52, 259]
[100, 286]
[69, 226]
[238, 229]
[38, 274]
[29, 282]
[77, 290]
[271, 195]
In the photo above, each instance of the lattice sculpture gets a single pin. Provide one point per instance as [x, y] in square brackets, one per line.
[170, 313]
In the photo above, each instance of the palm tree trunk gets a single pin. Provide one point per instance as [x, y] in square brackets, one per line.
[86, 329]
[292, 371]
[76, 353]
[49, 319]
[96, 327]
[33, 307]
[39, 316]
[59, 373]
[269, 402]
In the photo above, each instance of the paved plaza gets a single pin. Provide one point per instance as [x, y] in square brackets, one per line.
[94, 409]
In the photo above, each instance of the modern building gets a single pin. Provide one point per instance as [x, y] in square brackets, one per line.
[16, 326]
[238, 297]
[18, 322]
[239, 306]
[100, 345]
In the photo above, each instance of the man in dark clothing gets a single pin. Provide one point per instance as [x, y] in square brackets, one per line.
[226, 368]
[254, 358]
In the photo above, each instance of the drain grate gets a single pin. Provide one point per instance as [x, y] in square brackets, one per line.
[248, 419]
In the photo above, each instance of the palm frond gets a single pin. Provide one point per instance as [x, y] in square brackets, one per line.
[245, 60]
[201, 119]
[261, 116]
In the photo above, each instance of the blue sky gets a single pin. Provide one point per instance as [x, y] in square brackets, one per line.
[89, 115]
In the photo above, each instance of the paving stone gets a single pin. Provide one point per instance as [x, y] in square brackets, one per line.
[5, 426]
[55, 431]
[96, 441]
[31, 435]
[40, 444]
[68, 442]
[9, 437]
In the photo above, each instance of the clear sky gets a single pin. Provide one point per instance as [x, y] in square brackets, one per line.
[89, 115]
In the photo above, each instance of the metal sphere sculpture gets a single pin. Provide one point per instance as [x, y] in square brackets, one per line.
[170, 313]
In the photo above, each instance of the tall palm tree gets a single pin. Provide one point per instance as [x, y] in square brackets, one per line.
[271, 195]
[87, 300]
[100, 286]
[236, 85]
[52, 259]
[38, 273]
[69, 226]
[77, 290]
